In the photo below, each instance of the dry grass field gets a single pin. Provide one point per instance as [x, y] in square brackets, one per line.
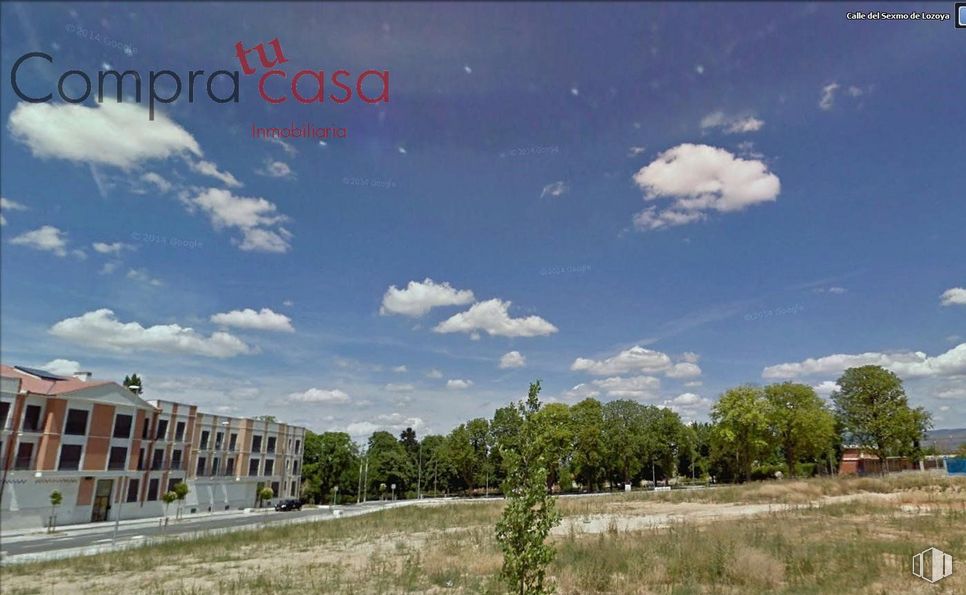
[814, 536]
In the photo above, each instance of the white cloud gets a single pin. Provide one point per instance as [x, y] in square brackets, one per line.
[419, 298]
[732, 124]
[833, 290]
[157, 180]
[142, 276]
[112, 248]
[684, 370]
[636, 359]
[701, 178]
[493, 317]
[400, 369]
[318, 395]
[634, 387]
[954, 296]
[262, 320]
[554, 189]
[117, 134]
[828, 96]
[825, 388]
[635, 151]
[400, 388]
[689, 405]
[208, 168]
[290, 150]
[458, 384]
[434, 373]
[905, 364]
[9, 205]
[512, 359]
[276, 169]
[62, 367]
[258, 219]
[47, 238]
[391, 422]
[101, 329]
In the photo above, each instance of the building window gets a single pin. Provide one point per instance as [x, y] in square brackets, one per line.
[162, 429]
[132, 490]
[70, 456]
[173, 482]
[158, 461]
[175, 460]
[230, 467]
[269, 466]
[214, 466]
[122, 426]
[295, 467]
[145, 428]
[231, 441]
[141, 459]
[153, 489]
[298, 445]
[275, 489]
[253, 467]
[31, 418]
[218, 438]
[76, 422]
[271, 444]
[204, 439]
[25, 455]
[179, 431]
[256, 444]
[118, 458]
[4, 411]
[200, 470]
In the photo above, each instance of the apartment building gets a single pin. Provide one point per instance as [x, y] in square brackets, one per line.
[112, 454]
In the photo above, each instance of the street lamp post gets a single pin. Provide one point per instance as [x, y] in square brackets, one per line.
[419, 475]
[393, 487]
[336, 496]
[653, 476]
[120, 504]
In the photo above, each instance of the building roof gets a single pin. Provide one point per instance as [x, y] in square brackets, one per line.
[42, 382]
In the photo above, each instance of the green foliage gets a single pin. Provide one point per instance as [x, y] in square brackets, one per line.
[530, 512]
[741, 433]
[56, 498]
[802, 425]
[329, 459]
[180, 490]
[169, 497]
[554, 436]
[266, 493]
[389, 463]
[873, 411]
[587, 421]
[134, 381]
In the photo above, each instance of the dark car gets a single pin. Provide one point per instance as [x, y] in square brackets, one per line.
[289, 505]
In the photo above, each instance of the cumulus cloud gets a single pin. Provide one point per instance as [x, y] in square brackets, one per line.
[157, 181]
[458, 384]
[112, 248]
[400, 369]
[689, 405]
[634, 387]
[512, 359]
[258, 219]
[554, 189]
[699, 179]
[318, 395]
[731, 124]
[825, 388]
[9, 205]
[208, 168]
[905, 364]
[116, 134]
[684, 370]
[276, 169]
[419, 297]
[492, 316]
[62, 367]
[955, 296]
[101, 329]
[434, 373]
[142, 276]
[391, 422]
[634, 360]
[47, 239]
[262, 320]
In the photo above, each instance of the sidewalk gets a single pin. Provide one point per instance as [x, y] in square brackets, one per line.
[17, 535]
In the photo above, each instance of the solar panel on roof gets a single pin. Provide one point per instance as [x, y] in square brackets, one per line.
[44, 374]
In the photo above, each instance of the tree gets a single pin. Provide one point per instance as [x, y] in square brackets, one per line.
[587, 420]
[180, 490]
[168, 497]
[741, 433]
[504, 435]
[388, 462]
[530, 512]
[802, 425]
[667, 436]
[133, 383]
[555, 437]
[624, 439]
[873, 411]
[330, 459]
[56, 498]
[266, 493]
[409, 441]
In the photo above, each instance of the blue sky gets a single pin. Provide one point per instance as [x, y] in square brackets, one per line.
[648, 201]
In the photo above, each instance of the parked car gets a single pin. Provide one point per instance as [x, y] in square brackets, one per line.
[284, 505]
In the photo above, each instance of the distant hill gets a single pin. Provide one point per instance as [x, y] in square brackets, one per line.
[947, 441]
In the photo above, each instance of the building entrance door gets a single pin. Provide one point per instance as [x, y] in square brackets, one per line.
[102, 500]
